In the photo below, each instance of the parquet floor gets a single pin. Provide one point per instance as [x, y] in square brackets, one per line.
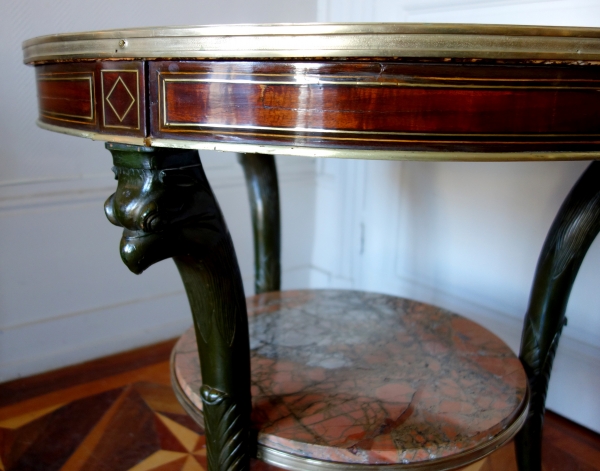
[119, 414]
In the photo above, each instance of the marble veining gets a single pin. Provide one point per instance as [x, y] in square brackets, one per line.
[367, 378]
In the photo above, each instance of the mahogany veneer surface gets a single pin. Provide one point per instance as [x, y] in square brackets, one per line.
[103, 97]
[387, 105]
[370, 105]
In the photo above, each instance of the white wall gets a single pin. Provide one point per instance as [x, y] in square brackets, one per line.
[461, 235]
[65, 295]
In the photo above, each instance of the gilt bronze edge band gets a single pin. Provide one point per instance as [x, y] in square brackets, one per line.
[322, 29]
[322, 41]
[96, 136]
[315, 152]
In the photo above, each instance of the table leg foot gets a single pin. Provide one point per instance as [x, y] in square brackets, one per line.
[167, 208]
[573, 231]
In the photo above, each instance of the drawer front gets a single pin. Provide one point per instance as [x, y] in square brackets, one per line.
[370, 105]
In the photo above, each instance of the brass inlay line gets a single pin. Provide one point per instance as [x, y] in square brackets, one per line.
[318, 81]
[491, 79]
[49, 116]
[166, 124]
[437, 141]
[50, 77]
[162, 110]
[119, 79]
[107, 99]
[52, 74]
[385, 133]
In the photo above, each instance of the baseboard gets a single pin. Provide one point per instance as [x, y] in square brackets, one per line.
[60, 342]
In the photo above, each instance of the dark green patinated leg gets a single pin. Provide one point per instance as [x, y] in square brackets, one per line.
[263, 192]
[167, 209]
[573, 231]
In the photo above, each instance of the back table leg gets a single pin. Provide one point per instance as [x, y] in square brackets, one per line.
[573, 231]
[263, 193]
[167, 208]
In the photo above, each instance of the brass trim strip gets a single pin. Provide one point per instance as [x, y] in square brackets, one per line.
[334, 40]
[166, 125]
[423, 77]
[136, 99]
[363, 136]
[376, 154]
[316, 152]
[49, 116]
[162, 99]
[303, 80]
[95, 136]
[50, 77]
[169, 126]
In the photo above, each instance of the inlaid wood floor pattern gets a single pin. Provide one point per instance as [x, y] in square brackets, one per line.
[120, 414]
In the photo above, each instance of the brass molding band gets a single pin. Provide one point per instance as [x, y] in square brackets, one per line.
[95, 136]
[369, 154]
[333, 40]
[363, 83]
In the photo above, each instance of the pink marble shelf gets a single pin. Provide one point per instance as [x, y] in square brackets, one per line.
[357, 377]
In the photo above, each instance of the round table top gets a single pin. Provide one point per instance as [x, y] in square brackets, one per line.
[363, 379]
[371, 90]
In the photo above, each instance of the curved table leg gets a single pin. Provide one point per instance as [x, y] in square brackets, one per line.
[165, 204]
[567, 242]
[263, 193]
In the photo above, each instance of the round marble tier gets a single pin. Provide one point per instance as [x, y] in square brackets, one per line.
[359, 379]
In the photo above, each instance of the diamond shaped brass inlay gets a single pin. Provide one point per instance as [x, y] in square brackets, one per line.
[119, 89]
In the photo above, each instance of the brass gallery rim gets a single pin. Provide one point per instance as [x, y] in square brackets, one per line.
[325, 40]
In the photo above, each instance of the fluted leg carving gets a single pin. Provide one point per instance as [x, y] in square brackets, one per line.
[573, 231]
[167, 209]
[263, 193]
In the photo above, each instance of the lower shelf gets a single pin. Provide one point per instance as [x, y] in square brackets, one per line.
[354, 380]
